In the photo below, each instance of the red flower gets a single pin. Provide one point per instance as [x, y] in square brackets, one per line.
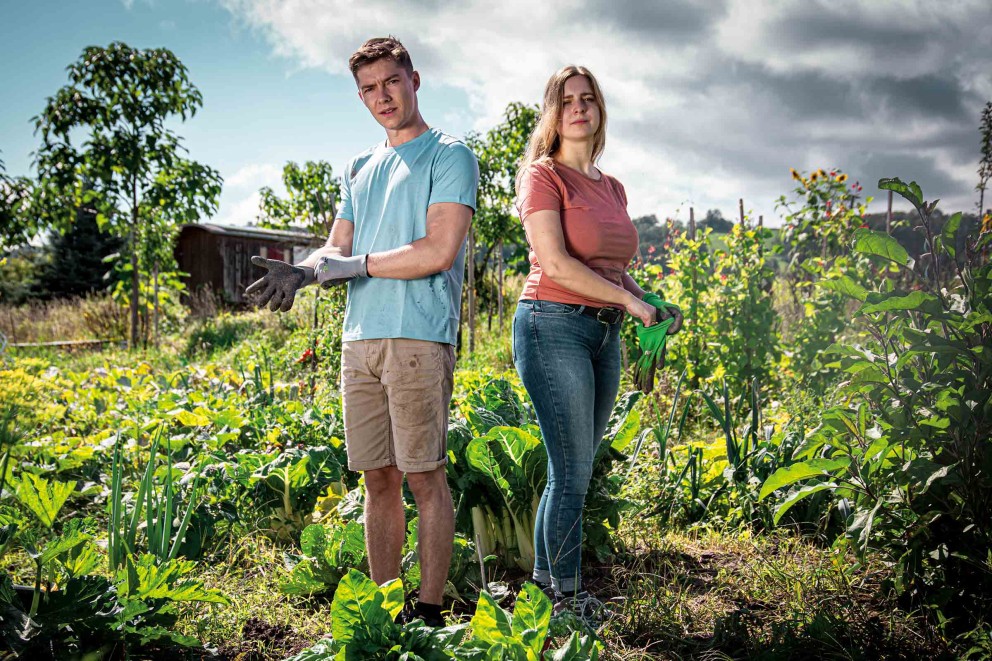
[864, 227]
[307, 355]
[650, 250]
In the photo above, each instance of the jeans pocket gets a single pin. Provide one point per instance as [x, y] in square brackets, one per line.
[555, 309]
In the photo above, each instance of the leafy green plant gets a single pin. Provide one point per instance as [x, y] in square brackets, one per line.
[500, 469]
[163, 535]
[329, 551]
[907, 449]
[363, 627]
[296, 477]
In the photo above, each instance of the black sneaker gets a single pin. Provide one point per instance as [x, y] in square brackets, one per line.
[412, 613]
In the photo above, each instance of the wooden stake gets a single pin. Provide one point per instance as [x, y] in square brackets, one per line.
[499, 284]
[470, 263]
[692, 224]
[888, 217]
[740, 205]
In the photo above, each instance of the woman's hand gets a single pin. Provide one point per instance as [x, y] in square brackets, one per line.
[641, 310]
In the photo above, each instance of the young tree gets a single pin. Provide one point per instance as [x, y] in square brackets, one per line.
[107, 128]
[313, 194]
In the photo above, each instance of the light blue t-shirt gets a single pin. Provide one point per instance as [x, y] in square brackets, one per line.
[386, 192]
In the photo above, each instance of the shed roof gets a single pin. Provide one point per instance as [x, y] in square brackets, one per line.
[290, 236]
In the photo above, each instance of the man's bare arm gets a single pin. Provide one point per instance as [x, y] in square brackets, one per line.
[338, 243]
[447, 226]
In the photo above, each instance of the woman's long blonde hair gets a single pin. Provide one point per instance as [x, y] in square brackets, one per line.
[544, 141]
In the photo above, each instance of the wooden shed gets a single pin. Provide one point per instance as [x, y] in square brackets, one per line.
[220, 255]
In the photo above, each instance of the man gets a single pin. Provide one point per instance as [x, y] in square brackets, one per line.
[399, 242]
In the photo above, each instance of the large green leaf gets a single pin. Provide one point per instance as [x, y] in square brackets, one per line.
[45, 499]
[393, 597]
[151, 579]
[846, 286]
[910, 191]
[783, 477]
[878, 243]
[494, 405]
[358, 608]
[624, 422]
[64, 543]
[949, 235]
[577, 648]
[510, 457]
[531, 617]
[798, 495]
[490, 622]
[893, 301]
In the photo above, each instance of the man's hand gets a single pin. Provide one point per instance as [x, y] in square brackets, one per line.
[278, 287]
[334, 270]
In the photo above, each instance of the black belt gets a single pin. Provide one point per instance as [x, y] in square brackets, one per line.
[604, 315]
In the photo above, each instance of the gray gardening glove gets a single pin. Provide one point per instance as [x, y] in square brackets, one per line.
[278, 287]
[334, 269]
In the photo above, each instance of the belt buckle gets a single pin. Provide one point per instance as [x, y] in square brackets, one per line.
[608, 315]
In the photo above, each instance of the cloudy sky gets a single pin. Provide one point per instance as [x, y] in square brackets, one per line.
[708, 101]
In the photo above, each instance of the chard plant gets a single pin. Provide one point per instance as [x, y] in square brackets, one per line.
[363, 626]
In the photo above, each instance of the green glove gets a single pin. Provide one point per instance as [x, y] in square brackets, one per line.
[666, 311]
[652, 341]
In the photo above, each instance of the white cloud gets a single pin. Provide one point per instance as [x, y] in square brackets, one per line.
[708, 102]
[255, 175]
[241, 210]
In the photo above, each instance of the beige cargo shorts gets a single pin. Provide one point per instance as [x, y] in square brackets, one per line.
[396, 396]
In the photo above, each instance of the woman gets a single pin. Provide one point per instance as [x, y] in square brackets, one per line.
[566, 331]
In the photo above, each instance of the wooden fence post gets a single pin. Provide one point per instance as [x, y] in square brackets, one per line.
[692, 224]
[740, 206]
[471, 290]
[499, 284]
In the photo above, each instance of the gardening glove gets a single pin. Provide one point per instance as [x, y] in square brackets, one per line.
[652, 341]
[666, 311]
[278, 287]
[334, 269]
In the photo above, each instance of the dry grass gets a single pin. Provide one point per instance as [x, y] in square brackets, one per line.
[88, 318]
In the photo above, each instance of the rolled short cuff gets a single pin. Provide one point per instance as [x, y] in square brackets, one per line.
[359, 466]
[422, 467]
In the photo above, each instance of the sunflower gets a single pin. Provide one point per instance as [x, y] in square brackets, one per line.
[795, 175]
[813, 177]
[841, 178]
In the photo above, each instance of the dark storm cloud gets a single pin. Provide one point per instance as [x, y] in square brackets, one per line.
[934, 96]
[664, 20]
[813, 25]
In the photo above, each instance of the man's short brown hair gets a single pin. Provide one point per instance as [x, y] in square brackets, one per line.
[380, 48]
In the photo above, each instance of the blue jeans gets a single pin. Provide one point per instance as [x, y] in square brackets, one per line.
[570, 365]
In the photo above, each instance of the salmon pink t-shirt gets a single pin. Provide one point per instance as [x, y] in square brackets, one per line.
[594, 222]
